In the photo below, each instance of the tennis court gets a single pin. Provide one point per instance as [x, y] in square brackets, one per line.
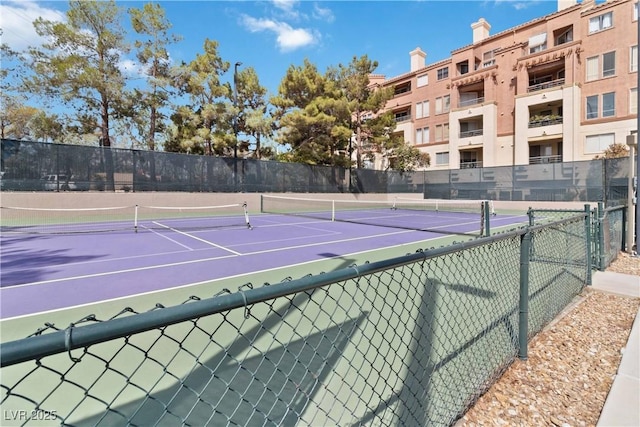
[399, 340]
[74, 258]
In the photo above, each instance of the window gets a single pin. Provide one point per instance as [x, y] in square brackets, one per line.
[442, 132]
[443, 73]
[609, 104]
[609, 64]
[468, 157]
[463, 67]
[423, 80]
[422, 109]
[565, 37]
[598, 143]
[635, 11]
[592, 68]
[633, 59]
[601, 22]
[633, 100]
[489, 58]
[592, 107]
[422, 136]
[443, 104]
[442, 158]
[538, 43]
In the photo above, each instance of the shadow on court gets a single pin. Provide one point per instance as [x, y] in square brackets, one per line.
[231, 389]
[22, 265]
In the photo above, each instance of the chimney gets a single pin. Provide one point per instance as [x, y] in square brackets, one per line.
[417, 59]
[481, 30]
[565, 4]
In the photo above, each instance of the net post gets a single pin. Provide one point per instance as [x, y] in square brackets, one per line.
[333, 210]
[246, 216]
[135, 219]
[262, 203]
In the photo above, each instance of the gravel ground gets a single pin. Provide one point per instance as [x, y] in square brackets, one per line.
[571, 365]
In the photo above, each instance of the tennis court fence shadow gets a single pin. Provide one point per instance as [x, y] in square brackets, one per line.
[413, 340]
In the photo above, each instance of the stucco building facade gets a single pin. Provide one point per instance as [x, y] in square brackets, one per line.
[559, 88]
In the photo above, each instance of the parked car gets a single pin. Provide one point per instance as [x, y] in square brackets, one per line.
[58, 182]
[10, 182]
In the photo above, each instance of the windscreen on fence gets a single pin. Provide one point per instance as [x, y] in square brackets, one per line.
[413, 340]
[34, 166]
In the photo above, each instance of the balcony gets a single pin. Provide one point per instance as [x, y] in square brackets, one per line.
[539, 160]
[468, 102]
[470, 133]
[470, 165]
[537, 121]
[545, 85]
[402, 118]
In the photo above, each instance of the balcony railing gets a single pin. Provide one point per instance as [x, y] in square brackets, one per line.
[470, 133]
[545, 159]
[403, 118]
[545, 85]
[470, 165]
[468, 102]
[545, 121]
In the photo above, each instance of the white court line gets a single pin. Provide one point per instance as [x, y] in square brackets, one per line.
[151, 267]
[168, 238]
[156, 254]
[188, 285]
[197, 238]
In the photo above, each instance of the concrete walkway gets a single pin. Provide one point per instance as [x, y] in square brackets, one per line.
[622, 407]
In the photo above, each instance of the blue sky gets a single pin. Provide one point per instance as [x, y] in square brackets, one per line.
[271, 35]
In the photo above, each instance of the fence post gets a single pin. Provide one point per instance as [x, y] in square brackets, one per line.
[588, 227]
[486, 214]
[600, 236]
[523, 320]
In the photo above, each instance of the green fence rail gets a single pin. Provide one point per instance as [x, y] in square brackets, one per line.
[413, 340]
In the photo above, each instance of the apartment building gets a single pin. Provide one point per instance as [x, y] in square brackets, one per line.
[562, 87]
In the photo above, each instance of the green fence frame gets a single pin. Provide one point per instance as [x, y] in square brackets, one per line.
[412, 340]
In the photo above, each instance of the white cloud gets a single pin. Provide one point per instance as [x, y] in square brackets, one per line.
[16, 21]
[131, 68]
[285, 5]
[287, 37]
[322, 13]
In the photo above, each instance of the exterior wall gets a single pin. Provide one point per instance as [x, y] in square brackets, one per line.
[504, 85]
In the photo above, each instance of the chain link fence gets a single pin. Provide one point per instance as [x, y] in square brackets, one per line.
[34, 166]
[413, 340]
[607, 229]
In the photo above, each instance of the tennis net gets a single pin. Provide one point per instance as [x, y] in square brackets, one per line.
[192, 218]
[131, 218]
[466, 217]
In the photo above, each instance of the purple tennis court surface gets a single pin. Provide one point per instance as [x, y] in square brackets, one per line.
[43, 272]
